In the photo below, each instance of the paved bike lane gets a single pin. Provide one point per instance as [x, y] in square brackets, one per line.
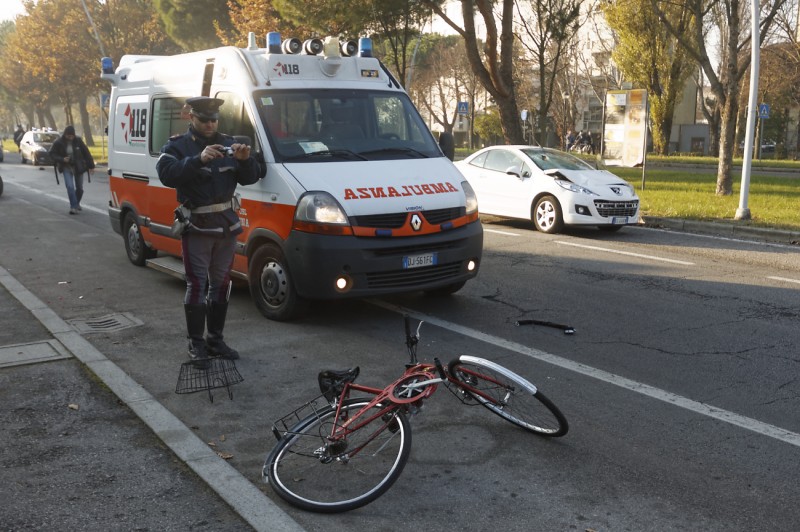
[78, 452]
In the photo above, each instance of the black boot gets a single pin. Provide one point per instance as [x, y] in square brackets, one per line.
[196, 325]
[216, 322]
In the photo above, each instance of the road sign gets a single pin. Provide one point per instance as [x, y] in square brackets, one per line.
[463, 108]
[763, 110]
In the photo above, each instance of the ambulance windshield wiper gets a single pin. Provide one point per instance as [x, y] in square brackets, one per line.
[344, 154]
[405, 151]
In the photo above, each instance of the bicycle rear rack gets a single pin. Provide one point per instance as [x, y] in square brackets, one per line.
[283, 425]
[221, 373]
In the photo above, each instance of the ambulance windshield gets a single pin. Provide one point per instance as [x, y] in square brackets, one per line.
[343, 125]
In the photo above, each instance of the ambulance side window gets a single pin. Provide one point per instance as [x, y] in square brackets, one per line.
[168, 119]
[234, 120]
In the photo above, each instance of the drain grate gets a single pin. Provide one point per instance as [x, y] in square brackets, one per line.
[108, 323]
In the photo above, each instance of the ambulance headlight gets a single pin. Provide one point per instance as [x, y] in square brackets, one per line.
[320, 208]
[472, 199]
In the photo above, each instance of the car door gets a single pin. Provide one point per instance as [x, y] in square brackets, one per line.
[505, 194]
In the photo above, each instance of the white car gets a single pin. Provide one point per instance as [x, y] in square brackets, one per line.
[549, 187]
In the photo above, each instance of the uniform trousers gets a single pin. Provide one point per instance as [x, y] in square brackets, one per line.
[207, 260]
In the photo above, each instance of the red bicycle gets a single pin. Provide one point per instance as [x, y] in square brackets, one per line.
[337, 452]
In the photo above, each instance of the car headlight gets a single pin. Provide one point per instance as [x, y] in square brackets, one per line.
[321, 208]
[472, 199]
[572, 187]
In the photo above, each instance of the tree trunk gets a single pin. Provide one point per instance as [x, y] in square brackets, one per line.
[86, 122]
[726, 146]
[510, 120]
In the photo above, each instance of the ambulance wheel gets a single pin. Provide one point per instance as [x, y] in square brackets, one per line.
[138, 251]
[271, 285]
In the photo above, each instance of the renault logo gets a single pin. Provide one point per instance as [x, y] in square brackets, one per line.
[416, 222]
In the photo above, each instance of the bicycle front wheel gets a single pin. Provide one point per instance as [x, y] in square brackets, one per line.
[508, 395]
[312, 472]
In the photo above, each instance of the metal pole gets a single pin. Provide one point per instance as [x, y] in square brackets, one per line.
[743, 212]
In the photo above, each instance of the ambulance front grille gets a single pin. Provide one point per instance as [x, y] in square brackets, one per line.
[414, 277]
[396, 220]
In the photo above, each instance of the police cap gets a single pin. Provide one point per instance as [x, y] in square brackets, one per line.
[205, 107]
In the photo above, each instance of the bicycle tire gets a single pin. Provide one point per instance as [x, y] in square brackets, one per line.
[513, 398]
[307, 475]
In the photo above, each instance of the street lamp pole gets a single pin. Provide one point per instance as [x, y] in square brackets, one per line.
[565, 98]
[743, 212]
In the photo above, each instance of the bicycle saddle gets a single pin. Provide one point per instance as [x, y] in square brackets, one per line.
[331, 381]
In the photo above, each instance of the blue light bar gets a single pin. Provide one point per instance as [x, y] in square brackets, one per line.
[365, 47]
[107, 65]
[274, 42]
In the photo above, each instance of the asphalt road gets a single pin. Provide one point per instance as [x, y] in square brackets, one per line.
[680, 384]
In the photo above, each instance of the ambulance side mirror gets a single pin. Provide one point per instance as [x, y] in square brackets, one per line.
[448, 145]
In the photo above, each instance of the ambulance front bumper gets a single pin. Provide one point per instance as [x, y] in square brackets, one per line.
[331, 267]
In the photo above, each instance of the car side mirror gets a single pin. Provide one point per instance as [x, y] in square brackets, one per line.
[448, 144]
[515, 170]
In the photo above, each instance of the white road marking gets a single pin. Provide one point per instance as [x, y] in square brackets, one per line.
[784, 279]
[500, 232]
[628, 253]
[57, 197]
[704, 409]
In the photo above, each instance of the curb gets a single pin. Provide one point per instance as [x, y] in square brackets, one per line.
[240, 494]
[724, 229]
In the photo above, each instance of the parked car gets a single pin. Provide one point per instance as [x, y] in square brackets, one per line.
[549, 187]
[35, 147]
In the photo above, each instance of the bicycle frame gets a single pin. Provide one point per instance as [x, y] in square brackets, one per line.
[400, 393]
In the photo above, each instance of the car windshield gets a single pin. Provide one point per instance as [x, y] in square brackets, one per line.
[45, 137]
[317, 125]
[549, 159]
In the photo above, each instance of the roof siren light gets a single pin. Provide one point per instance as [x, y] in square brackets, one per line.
[273, 42]
[365, 47]
[312, 46]
[349, 48]
[107, 65]
[291, 46]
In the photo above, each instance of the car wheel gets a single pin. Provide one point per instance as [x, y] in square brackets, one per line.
[135, 246]
[271, 285]
[24, 160]
[547, 215]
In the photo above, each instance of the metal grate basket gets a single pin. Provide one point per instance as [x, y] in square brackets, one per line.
[221, 373]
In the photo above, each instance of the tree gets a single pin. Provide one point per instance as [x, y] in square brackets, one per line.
[194, 24]
[487, 126]
[257, 16]
[494, 64]
[729, 17]
[394, 25]
[548, 26]
[649, 56]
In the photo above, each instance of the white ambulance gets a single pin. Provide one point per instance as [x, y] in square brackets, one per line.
[358, 198]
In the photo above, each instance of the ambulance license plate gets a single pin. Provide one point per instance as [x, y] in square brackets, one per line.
[619, 220]
[418, 261]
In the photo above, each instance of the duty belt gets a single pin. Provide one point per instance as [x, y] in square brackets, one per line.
[216, 207]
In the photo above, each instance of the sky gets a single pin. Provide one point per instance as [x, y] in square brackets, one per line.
[10, 9]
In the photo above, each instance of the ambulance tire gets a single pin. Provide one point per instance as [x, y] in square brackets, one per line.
[135, 246]
[271, 285]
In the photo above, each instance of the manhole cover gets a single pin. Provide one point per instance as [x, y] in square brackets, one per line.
[108, 323]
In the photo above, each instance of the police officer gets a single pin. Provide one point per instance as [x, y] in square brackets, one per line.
[205, 166]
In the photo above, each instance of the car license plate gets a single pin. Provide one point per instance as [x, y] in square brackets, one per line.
[617, 220]
[417, 261]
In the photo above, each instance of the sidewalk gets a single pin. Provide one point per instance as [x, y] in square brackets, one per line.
[725, 229]
[87, 448]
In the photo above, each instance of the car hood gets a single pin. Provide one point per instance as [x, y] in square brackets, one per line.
[587, 178]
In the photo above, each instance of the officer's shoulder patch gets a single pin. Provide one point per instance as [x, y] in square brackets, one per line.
[176, 137]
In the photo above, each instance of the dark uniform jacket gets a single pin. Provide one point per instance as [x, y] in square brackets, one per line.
[198, 185]
[81, 159]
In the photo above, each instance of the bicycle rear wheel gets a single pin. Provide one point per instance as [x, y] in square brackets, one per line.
[508, 395]
[310, 472]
